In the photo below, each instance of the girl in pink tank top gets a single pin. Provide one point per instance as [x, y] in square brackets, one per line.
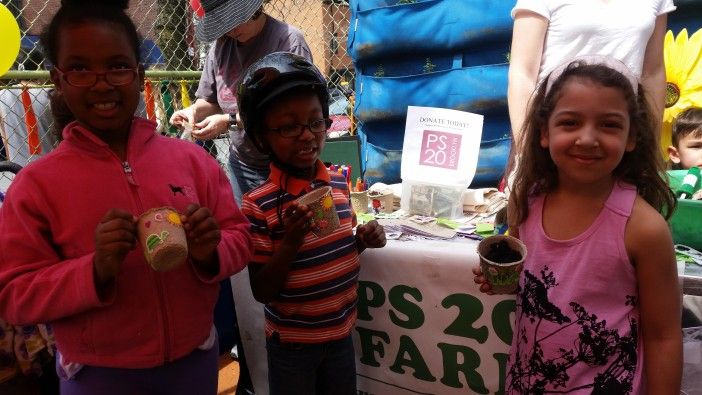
[599, 284]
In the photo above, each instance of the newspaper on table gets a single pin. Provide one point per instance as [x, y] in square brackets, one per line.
[405, 227]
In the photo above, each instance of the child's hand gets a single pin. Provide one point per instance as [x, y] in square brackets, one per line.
[297, 220]
[202, 232]
[115, 236]
[370, 235]
[482, 281]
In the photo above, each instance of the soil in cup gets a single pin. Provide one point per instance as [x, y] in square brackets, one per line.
[501, 252]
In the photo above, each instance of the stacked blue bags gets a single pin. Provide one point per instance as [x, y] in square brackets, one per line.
[434, 53]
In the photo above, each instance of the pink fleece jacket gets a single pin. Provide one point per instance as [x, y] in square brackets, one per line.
[47, 230]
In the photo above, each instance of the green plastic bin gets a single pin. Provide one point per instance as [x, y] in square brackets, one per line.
[686, 222]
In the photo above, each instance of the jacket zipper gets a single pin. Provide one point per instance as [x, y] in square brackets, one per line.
[159, 283]
[130, 177]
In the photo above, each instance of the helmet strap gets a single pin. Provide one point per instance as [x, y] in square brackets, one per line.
[297, 172]
[263, 146]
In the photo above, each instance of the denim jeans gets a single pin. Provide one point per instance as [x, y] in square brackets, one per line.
[311, 369]
[245, 178]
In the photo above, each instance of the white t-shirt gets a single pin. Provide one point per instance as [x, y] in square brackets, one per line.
[616, 28]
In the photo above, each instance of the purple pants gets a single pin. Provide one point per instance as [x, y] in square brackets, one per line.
[195, 373]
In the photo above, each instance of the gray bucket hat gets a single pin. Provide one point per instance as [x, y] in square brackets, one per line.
[221, 16]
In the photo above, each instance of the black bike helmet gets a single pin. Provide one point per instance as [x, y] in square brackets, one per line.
[268, 78]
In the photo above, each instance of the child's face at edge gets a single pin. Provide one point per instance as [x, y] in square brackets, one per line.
[688, 153]
[301, 151]
[104, 109]
[588, 132]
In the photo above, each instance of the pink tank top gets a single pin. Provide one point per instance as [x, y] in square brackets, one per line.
[577, 320]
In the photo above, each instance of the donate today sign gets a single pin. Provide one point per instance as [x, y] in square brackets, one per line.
[441, 145]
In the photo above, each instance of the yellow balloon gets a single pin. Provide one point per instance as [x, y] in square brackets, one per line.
[10, 39]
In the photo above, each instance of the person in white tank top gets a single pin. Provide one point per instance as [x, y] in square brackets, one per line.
[549, 32]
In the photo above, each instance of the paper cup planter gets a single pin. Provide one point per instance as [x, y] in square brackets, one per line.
[162, 238]
[501, 260]
[324, 216]
[359, 202]
[381, 202]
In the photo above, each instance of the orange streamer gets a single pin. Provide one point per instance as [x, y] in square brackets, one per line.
[30, 119]
[149, 100]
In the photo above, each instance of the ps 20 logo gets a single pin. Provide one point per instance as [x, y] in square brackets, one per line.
[440, 149]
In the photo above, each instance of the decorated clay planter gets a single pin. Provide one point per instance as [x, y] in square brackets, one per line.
[501, 260]
[162, 238]
[325, 219]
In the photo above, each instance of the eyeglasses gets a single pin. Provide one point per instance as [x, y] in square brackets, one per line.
[87, 78]
[295, 129]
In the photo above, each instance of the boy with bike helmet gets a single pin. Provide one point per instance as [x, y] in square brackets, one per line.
[307, 283]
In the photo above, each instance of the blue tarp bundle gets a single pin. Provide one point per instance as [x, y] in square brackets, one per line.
[435, 53]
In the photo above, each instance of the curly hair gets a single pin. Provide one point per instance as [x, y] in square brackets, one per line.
[536, 171]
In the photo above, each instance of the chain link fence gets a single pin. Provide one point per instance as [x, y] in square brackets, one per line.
[173, 59]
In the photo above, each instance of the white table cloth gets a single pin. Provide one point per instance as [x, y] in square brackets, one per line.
[423, 326]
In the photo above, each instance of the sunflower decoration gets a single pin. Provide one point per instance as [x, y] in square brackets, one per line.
[683, 69]
[327, 202]
[174, 218]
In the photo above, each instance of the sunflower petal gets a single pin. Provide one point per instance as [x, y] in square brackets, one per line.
[680, 70]
[693, 61]
[671, 112]
[693, 84]
[670, 58]
[668, 43]
[692, 99]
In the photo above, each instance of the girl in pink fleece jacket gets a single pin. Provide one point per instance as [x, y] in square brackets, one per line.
[68, 249]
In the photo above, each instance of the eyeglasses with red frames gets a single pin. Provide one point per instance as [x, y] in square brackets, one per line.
[88, 78]
[293, 130]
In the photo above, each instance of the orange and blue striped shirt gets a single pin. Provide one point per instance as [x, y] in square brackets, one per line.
[318, 301]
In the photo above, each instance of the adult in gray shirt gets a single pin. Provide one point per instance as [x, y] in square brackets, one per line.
[243, 34]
